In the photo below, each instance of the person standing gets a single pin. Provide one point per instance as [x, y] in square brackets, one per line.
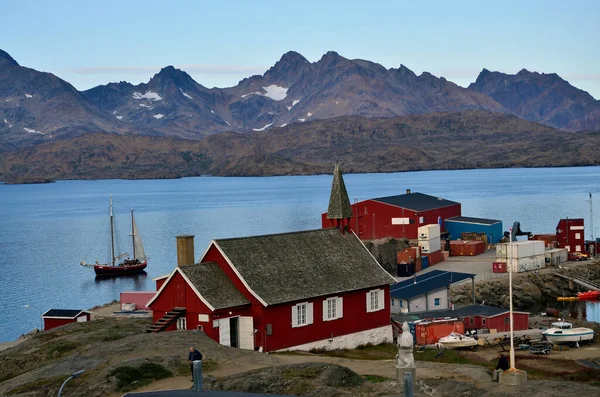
[194, 355]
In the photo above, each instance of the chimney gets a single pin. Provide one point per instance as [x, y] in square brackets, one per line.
[185, 250]
[407, 191]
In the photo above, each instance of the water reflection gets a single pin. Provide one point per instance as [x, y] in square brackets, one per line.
[592, 310]
[587, 310]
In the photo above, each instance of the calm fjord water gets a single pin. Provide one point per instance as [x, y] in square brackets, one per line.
[46, 230]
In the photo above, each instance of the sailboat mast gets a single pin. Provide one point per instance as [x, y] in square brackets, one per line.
[112, 232]
[132, 234]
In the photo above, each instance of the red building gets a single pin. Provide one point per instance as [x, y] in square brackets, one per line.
[135, 300]
[56, 317]
[302, 290]
[570, 235]
[396, 216]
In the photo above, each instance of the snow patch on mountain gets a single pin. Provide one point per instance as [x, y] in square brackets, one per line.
[158, 116]
[263, 128]
[227, 123]
[276, 92]
[9, 124]
[185, 95]
[283, 125]
[152, 96]
[303, 120]
[120, 117]
[308, 114]
[143, 105]
[212, 111]
[32, 131]
[296, 101]
[28, 95]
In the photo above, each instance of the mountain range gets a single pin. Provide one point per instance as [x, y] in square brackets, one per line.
[37, 107]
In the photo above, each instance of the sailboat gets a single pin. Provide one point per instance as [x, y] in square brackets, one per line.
[129, 265]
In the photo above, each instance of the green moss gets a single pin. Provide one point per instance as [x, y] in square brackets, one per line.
[302, 373]
[60, 348]
[376, 378]
[130, 378]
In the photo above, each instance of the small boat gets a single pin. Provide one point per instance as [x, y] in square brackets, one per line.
[567, 298]
[589, 295]
[563, 332]
[129, 265]
[455, 340]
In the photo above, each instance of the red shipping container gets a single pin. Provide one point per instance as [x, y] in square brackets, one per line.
[548, 239]
[499, 267]
[435, 257]
[466, 248]
[417, 265]
[429, 332]
[407, 255]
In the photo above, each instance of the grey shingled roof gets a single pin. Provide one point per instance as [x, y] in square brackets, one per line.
[295, 266]
[339, 203]
[468, 219]
[214, 285]
[416, 201]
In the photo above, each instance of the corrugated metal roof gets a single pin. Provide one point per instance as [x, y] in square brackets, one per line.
[461, 312]
[416, 201]
[430, 281]
[468, 219]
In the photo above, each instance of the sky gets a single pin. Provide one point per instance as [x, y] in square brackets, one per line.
[221, 42]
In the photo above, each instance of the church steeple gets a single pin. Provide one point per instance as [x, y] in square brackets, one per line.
[339, 203]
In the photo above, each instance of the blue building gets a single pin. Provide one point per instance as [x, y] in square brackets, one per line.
[458, 225]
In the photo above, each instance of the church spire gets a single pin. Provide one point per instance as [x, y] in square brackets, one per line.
[339, 203]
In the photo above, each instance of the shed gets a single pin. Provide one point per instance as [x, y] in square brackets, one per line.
[135, 300]
[425, 292]
[474, 317]
[492, 228]
[56, 317]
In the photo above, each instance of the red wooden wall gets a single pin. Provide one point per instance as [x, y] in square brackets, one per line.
[373, 219]
[499, 323]
[50, 323]
[566, 237]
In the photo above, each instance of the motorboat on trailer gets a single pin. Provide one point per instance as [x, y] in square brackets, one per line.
[456, 340]
[562, 332]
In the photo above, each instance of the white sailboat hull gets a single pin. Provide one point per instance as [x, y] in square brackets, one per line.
[453, 341]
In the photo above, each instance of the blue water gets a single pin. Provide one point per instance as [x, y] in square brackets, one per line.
[47, 229]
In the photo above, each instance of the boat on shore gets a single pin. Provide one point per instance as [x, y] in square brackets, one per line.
[456, 340]
[562, 332]
[589, 295]
[130, 264]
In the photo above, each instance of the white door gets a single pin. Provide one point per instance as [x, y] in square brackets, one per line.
[181, 323]
[246, 333]
[224, 335]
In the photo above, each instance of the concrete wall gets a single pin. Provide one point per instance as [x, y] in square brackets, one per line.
[375, 336]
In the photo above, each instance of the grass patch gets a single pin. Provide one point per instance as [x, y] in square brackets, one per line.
[384, 351]
[375, 378]
[595, 383]
[48, 385]
[60, 348]
[130, 378]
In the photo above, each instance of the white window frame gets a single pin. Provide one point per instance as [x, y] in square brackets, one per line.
[578, 248]
[181, 323]
[577, 236]
[421, 220]
[203, 318]
[333, 308]
[305, 310]
[375, 300]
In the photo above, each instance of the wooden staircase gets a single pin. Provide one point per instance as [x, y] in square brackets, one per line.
[166, 320]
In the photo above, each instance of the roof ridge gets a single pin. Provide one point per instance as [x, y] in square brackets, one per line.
[275, 234]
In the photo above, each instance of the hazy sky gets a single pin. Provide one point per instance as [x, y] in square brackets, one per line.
[220, 42]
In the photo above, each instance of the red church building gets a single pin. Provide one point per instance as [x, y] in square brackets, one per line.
[290, 291]
[396, 216]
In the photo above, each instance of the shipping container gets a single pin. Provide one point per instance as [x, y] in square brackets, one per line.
[465, 228]
[429, 232]
[548, 239]
[424, 262]
[418, 264]
[520, 249]
[408, 255]
[445, 255]
[555, 257]
[466, 248]
[528, 263]
[428, 246]
[429, 332]
[405, 269]
[434, 257]
[499, 267]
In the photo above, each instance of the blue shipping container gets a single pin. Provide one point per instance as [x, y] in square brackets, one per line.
[424, 262]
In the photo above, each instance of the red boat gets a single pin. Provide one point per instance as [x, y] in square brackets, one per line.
[590, 295]
[127, 266]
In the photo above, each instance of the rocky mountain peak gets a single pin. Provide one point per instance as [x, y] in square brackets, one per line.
[7, 59]
[288, 68]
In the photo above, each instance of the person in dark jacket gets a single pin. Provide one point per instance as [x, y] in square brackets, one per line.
[194, 355]
[502, 366]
